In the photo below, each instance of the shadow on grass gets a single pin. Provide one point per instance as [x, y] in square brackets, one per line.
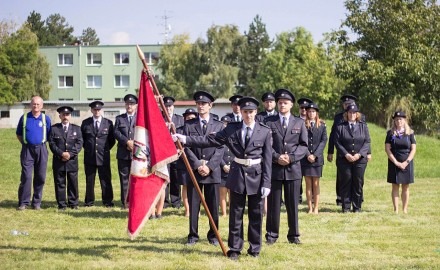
[14, 204]
[93, 251]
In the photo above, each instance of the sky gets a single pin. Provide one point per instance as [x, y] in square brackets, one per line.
[143, 22]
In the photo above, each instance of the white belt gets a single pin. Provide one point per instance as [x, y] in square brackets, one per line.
[247, 162]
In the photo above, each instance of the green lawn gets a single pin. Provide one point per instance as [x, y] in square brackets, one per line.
[96, 237]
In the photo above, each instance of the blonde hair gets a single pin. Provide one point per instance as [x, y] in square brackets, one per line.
[358, 116]
[318, 121]
[408, 130]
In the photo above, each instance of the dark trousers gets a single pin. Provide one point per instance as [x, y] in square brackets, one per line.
[291, 195]
[351, 183]
[60, 188]
[33, 159]
[124, 177]
[105, 178]
[255, 216]
[338, 188]
[210, 192]
[172, 192]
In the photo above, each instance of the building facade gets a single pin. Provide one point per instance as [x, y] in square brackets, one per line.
[107, 73]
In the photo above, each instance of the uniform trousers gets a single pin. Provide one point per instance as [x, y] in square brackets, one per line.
[60, 188]
[33, 159]
[124, 177]
[351, 183]
[172, 192]
[105, 177]
[255, 216]
[291, 198]
[210, 192]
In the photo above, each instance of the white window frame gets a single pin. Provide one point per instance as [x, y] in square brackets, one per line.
[149, 57]
[119, 58]
[91, 61]
[94, 81]
[119, 80]
[63, 83]
[62, 59]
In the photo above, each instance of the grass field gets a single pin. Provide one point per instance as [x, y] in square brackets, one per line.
[95, 238]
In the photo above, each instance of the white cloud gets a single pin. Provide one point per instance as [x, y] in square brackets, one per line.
[120, 38]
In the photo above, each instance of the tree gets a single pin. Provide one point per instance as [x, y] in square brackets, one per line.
[395, 56]
[89, 37]
[24, 72]
[296, 63]
[175, 65]
[36, 25]
[219, 60]
[253, 54]
[58, 31]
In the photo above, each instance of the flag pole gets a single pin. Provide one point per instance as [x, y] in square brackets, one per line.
[179, 145]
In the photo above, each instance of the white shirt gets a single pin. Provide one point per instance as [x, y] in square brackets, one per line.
[99, 120]
[287, 118]
[235, 117]
[243, 130]
[201, 123]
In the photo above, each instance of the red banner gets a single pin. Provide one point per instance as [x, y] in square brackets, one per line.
[153, 150]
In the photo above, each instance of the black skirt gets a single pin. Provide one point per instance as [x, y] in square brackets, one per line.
[315, 171]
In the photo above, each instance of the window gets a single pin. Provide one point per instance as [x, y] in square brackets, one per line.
[122, 81]
[151, 57]
[92, 99]
[65, 81]
[118, 99]
[94, 81]
[94, 59]
[4, 114]
[122, 58]
[111, 114]
[65, 59]
[65, 99]
[75, 113]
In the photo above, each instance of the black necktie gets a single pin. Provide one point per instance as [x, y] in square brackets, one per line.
[351, 128]
[237, 119]
[284, 124]
[65, 129]
[247, 136]
[313, 124]
[130, 120]
[204, 126]
[96, 126]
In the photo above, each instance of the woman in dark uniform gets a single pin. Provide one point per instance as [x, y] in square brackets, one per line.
[400, 146]
[352, 140]
[225, 166]
[184, 177]
[312, 163]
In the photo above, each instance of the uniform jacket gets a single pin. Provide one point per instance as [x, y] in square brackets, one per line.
[213, 155]
[242, 179]
[293, 143]
[97, 145]
[339, 119]
[232, 116]
[60, 142]
[228, 158]
[261, 116]
[356, 142]
[123, 133]
[317, 138]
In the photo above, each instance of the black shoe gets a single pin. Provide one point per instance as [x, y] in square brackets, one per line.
[214, 242]
[233, 255]
[270, 241]
[295, 241]
[190, 243]
[158, 216]
[357, 210]
[109, 205]
[253, 254]
[152, 217]
[21, 208]
[62, 209]
[37, 207]
[88, 205]
[345, 211]
[74, 207]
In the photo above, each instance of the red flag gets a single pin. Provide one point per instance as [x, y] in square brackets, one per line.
[153, 150]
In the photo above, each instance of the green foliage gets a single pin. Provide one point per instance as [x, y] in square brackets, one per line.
[395, 55]
[253, 53]
[54, 31]
[296, 63]
[24, 71]
[89, 37]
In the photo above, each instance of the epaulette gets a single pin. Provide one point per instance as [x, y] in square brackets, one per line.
[234, 123]
[74, 125]
[216, 120]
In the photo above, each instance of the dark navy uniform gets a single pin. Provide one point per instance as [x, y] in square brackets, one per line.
[351, 174]
[32, 133]
[124, 132]
[244, 180]
[65, 138]
[261, 116]
[172, 192]
[211, 157]
[234, 101]
[228, 156]
[291, 140]
[97, 146]
[317, 139]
